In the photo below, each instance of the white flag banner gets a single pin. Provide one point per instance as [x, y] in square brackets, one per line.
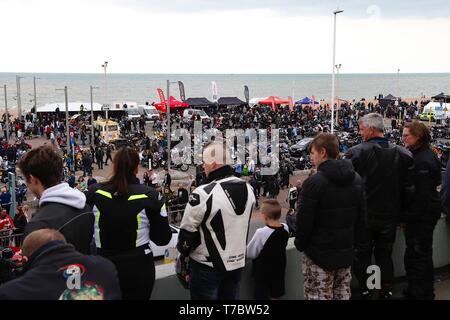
[215, 92]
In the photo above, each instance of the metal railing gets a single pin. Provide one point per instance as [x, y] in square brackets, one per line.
[9, 239]
[175, 213]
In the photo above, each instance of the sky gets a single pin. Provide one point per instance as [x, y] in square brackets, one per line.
[224, 36]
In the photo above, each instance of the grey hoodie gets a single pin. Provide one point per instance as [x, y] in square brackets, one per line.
[63, 194]
[65, 209]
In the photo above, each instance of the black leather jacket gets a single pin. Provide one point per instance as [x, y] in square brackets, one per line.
[388, 174]
[426, 204]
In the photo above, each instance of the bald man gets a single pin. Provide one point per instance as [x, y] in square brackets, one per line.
[54, 270]
[214, 228]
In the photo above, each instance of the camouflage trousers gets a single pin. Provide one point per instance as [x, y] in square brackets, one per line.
[320, 284]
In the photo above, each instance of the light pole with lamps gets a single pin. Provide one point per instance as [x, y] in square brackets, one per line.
[19, 99]
[67, 114]
[338, 67]
[168, 122]
[333, 75]
[92, 114]
[6, 114]
[104, 66]
[35, 98]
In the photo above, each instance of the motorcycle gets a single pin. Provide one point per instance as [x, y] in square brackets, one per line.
[303, 163]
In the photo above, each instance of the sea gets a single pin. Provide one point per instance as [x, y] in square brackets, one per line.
[141, 88]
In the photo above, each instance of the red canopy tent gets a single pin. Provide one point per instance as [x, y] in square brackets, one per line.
[273, 99]
[174, 104]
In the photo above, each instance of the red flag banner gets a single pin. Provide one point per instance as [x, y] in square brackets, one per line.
[161, 96]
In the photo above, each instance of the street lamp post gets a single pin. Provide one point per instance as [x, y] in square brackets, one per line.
[6, 114]
[35, 98]
[168, 122]
[104, 66]
[168, 125]
[333, 74]
[67, 114]
[92, 114]
[19, 99]
[338, 67]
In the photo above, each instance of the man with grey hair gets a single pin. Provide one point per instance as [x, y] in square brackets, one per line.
[215, 227]
[387, 172]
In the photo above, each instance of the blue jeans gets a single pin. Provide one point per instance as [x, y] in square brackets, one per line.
[208, 284]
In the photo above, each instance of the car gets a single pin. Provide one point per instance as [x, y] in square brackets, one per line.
[298, 149]
[188, 113]
[133, 113]
[159, 251]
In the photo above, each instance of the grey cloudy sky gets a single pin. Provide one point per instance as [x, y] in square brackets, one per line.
[356, 8]
[224, 36]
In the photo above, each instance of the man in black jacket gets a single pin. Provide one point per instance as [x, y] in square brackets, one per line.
[182, 195]
[99, 154]
[54, 270]
[388, 174]
[60, 207]
[87, 164]
[167, 180]
[108, 154]
[330, 219]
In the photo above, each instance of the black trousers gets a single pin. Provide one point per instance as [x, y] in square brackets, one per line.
[378, 241]
[108, 157]
[419, 260]
[292, 203]
[100, 163]
[136, 272]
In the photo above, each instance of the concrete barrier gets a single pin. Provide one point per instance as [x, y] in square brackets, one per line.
[167, 286]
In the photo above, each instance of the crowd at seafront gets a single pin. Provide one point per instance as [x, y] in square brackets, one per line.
[339, 216]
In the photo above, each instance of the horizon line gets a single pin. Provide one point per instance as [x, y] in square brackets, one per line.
[216, 73]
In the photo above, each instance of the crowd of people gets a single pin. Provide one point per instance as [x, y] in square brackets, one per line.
[347, 210]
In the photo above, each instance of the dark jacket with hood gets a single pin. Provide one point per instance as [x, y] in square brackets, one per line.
[64, 209]
[331, 215]
[46, 276]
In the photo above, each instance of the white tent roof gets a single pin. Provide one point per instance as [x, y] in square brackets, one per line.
[72, 106]
[75, 106]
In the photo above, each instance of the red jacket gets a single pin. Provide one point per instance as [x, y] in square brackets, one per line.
[6, 222]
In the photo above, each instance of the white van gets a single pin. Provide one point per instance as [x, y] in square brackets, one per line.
[149, 112]
[188, 113]
[435, 110]
[133, 113]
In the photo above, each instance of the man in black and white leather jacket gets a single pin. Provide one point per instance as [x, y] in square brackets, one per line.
[214, 230]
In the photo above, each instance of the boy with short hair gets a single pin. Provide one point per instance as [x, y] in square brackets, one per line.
[330, 221]
[267, 249]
